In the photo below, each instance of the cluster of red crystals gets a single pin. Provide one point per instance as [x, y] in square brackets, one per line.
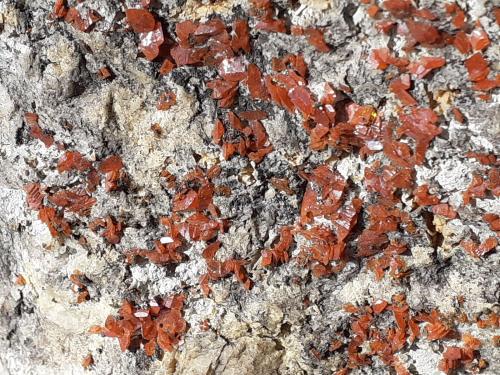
[79, 280]
[206, 43]
[77, 200]
[323, 198]
[331, 120]
[389, 259]
[279, 253]
[365, 129]
[467, 356]
[288, 87]
[113, 229]
[73, 160]
[161, 324]
[405, 13]
[55, 221]
[436, 327]
[199, 227]
[491, 320]
[387, 179]
[164, 252]
[367, 341]
[74, 201]
[36, 131]
[323, 193]
[419, 124]
[217, 270]
[194, 193]
[253, 139]
[479, 187]
[479, 250]
[80, 21]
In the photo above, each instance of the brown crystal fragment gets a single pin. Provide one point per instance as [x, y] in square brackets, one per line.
[74, 201]
[105, 73]
[477, 67]
[255, 84]
[79, 21]
[423, 198]
[34, 195]
[151, 41]
[462, 43]
[445, 210]
[479, 39]
[425, 65]
[36, 131]
[420, 124]
[141, 20]
[55, 221]
[60, 9]
[479, 250]
[241, 38]
[279, 253]
[111, 164]
[398, 8]
[399, 86]
[113, 229]
[423, 32]
[73, 160]
[166, 101]
[272, 25]
[20, 280]
[88, 361]
[166, 67]
[218, 132]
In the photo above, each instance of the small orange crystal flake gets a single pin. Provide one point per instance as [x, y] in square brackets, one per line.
[166, 101]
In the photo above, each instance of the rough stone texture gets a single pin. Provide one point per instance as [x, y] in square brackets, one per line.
[49, 67]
